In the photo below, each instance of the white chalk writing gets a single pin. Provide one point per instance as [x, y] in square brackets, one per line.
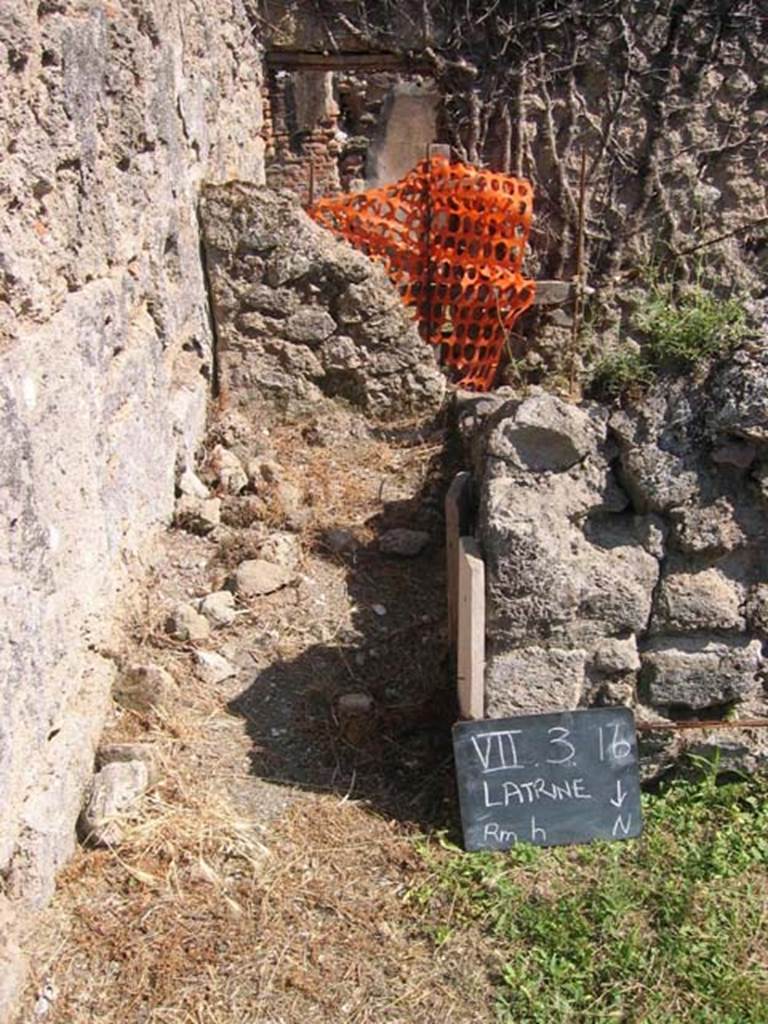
[497, 751]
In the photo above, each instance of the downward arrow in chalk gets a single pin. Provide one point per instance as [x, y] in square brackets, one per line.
[621, 796]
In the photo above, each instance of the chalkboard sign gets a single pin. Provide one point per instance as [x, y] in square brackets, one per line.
[548, 779]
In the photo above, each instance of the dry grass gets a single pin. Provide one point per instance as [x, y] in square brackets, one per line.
[198, 920]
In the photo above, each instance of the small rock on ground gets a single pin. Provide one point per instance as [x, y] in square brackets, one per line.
[115, 788]
[192, 486]
[340, 541]
[219, 607]
[356, 716]
[197, 515]
[144, 688]
[120, 753]
[403, 542]
[256, 577]
[186, 623]
[228, 469]
[282, 549]
[211, 668]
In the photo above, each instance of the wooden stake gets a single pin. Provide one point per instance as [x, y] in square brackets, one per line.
[456, 524]
[471, 633]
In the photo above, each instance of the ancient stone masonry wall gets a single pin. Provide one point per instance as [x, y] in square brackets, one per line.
[626, 554]
[110, 118]
[300, 315]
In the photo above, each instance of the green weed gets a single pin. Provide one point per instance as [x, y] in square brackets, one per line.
[696, 326]
[666, 929]
[679, 333]
[618, 372]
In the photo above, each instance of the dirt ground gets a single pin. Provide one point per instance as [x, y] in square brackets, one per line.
[268, 874]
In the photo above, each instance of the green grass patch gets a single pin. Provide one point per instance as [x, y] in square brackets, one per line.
[696, 326]
[666, 929]
[679, 333]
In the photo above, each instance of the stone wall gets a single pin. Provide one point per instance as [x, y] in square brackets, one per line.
[626, 554]
[110, 118]
[300, 315]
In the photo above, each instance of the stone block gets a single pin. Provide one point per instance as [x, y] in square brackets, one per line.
[698, 601]
[530, 680]
[707, 529]
[700, 672]
[310, 325]
[615, 656]
[546, 434]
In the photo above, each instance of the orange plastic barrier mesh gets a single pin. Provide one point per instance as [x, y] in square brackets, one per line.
[452, 238]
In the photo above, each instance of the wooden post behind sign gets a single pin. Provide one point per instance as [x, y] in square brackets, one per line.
[471, 630]
[456, 524]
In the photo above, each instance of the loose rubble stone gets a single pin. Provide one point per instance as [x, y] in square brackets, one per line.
[198, 515]
[403, 542]
[116, 788]
[111, 753]
[186, 623]
[340, 541]
[357, 718]
[212, 668]
[257, 577]
[228, 470]
[698, 673]
[219, 607]
[192, 486]
[289, 500]
[693, 601]
[263, 471]
[144, 688]
[282, 549]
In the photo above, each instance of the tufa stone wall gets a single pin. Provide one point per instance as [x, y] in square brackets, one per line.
[300, 315]
[626, 554]
[110, 118]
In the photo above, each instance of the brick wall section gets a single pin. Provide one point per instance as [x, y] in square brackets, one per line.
[294, 158]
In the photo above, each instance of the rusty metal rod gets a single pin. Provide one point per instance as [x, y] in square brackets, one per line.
[737, 723]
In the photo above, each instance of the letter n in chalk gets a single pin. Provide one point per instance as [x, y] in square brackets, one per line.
[538, 835]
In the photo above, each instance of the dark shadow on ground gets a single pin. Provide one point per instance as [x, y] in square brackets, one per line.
[397, 757]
